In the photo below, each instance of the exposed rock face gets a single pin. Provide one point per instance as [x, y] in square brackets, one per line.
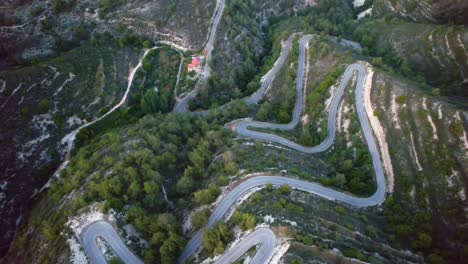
[31, 141]
[38, 29]
[438, 11]
[32, 30]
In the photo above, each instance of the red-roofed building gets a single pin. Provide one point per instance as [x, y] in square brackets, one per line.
[196, 64]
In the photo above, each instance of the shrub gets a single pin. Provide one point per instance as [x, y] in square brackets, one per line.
[43, 106]
[115, 260]
[371, 232]
[147, 44]
[200, 218]
[434, 259]
[339, 209]
[285, 189]
[456, 128]
[245, 221]
[401, 99]
[215, 240]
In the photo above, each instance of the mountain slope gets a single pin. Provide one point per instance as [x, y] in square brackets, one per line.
[42, 29]
[438, 52]
[438, 11]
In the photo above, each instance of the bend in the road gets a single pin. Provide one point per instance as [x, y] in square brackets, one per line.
[270, 75]
[262, 236]
[181, 106]
[377, 198]
[102, 229]
[258, 181]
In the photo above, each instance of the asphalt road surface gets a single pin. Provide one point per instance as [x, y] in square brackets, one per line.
[257, 96]
[209, 45]
[181, 106]
[377, 198]
[102, 229]
[263, 237]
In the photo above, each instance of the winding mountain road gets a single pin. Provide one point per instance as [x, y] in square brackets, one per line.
[102, 229]
[268, 78]
[181, 106]
[242, 128]
[262, 237]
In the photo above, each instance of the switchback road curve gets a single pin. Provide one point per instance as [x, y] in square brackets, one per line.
[95, 229]
[262, 237]
[242, 128]
[258, 95]
[181, 106]
[102, 229]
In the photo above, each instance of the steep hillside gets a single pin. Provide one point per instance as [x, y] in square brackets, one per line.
[40, 29]
[241, 46]
[426, 171]
[41, 104]
[440, 53]
[380, 178]
[64, 63]
[152, 172]
[438, 11]
[428, 143]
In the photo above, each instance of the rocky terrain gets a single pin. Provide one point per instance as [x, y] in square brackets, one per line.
[64, 63]
[31, 30]
[438, 52]
[438, 11]
[417, 129]
[36, 114]
[241, 46]
[156, 177]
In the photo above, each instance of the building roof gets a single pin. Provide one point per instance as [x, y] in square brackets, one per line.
[196, 61]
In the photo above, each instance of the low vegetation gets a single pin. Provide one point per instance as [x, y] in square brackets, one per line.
[215, 239]
[154, 85]
[155, 168]
[241, 49]
[282, 93]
